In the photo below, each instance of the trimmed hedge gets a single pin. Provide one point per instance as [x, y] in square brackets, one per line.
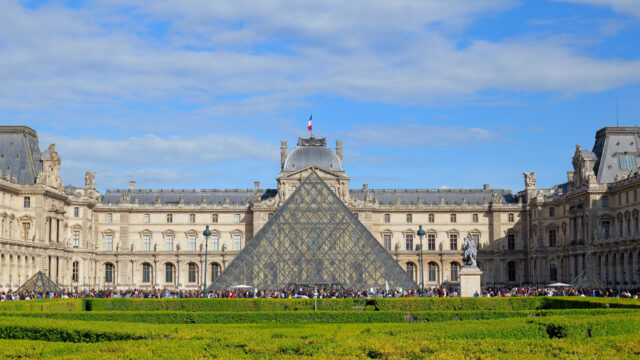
[43, 305]
[16, 332]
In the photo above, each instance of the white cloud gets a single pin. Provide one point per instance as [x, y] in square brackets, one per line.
[410, 135]
[625, 7]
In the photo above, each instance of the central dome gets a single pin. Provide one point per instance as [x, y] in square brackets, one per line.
[312, 152]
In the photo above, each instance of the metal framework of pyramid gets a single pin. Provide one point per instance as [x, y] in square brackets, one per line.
[39, 282]
[314, 239]
[587, 280]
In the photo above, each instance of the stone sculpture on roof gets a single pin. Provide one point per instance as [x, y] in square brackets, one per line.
[50, 174]
[529, 180]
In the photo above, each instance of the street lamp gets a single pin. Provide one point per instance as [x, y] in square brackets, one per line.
[421, 234]
[206, 234]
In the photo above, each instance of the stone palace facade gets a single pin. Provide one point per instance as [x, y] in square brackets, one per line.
[141, 238]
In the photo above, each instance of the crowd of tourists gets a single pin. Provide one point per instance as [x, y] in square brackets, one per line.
[330, 293]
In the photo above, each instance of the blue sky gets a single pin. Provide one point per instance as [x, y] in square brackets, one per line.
[424, 94]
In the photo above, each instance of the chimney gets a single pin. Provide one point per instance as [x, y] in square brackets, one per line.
[256, 184]
[132, 185]
[486, 187]
[339, 149]
[365, 186]
[283, 153]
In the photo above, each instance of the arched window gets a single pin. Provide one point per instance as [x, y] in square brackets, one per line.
[193, 270]
[215, 271]
[146, 273]
[411, 269]
[27, 202]
[168, 272]
[433, 272]
[455, 269]
[511, 271]
[74, 271]
[108, 273]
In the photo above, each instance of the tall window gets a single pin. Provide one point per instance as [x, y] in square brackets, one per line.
[27, 202]
[76, 211]
[108, 242]
[408, 241]
[146, 242]
[453, 218]
[552, 237]
[411, 269]
[109, 218]
[432, 218]
[192, 218]
[25, 230]
[168, 241]
[455, 269]
[431, 242]
[237, 242]
[169, 218]
[147, 218]
[146, 273]
[605, 201]
[387, 242]
[511, 271]
[511, 217]
[214, 218]
[553, 271]
[627, 162]
[76, 238]
[192, 243]
[475, 218]
[215, 271]
[453, 242]
[511, 241]
[75, 269]
[433, 272]
[215, 239]
[168, 273]
[409, 218]
[387, 218]
[552, 211]
[606, 227]
[192, 272]
[236, 218]
[108, 273]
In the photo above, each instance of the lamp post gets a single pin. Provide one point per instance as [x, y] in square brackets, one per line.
[421, 234]
[206, 234]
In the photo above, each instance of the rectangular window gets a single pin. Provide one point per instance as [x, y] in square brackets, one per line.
[168, 240]
[214, 218]
[237, 242]
[236, 218]
[511, 218]
[387, 218]
[146, 242]
[76, 239]
[605, 201]
[511, 241]
[169, 218]
[192, 218]
[627, 162]
[108, 242]
[387, 242]
[109, 218]
[431, 242]
[27, 202]
[146, 273]
[475, 218]
[453, 218]
[552, 237]
[75, 270]
[147, 218]
[409, 218]
[432, 218]
[76, 211]
[192, 243]
[453, 242]
[409, 241]
[215, 238]
[606, 227]
[552, 211]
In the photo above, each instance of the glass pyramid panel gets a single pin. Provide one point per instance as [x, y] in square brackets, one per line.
[39, 282]
[314, 239]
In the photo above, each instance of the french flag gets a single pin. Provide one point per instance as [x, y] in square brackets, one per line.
[309, 124]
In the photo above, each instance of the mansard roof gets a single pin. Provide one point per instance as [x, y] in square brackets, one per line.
[312, 152]
[433, 196]
[611, 142]
[188, 196]
[20, 153]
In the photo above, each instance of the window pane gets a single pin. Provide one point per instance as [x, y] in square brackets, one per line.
[431, 242]
[237, 242]
[192, 243]
[409, 241]
[387, 242]
[108, 242]
[627, 162]
[214, 242]
[146, 242]
[169, 243]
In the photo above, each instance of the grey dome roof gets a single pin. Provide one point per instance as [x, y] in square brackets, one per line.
[305, 156]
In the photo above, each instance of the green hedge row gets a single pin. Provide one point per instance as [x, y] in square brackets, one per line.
[43, 305]
[15, 332]
[292, 317]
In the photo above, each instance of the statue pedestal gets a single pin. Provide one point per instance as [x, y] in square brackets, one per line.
[470, 281]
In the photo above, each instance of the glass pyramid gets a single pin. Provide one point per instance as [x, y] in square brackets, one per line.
[39, 282]
[314, 239]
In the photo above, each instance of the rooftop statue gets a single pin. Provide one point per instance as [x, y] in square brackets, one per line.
[470, 251]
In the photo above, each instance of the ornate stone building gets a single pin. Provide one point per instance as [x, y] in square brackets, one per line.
[145, 238]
